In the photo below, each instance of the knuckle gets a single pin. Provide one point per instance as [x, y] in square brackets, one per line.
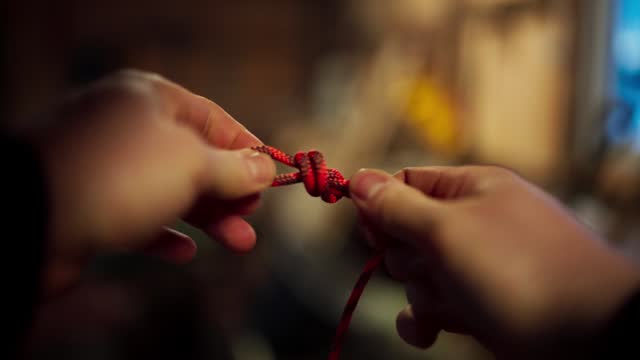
[135, 75]
[125, 88]
[132, 83]
[494, 172]
[503, 171]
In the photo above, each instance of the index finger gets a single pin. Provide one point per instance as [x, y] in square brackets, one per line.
[207, 118]
[451, 182]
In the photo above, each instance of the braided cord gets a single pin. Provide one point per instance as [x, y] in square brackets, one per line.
[318, 179]
[330, 185]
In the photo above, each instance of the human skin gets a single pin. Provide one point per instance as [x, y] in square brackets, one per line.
[485, 253]
[129, 156]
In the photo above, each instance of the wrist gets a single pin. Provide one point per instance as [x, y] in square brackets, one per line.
[584, 308]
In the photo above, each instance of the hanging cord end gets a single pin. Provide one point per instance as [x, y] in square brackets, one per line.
[330, 185]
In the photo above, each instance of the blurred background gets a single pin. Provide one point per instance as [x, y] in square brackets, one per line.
[548, 88]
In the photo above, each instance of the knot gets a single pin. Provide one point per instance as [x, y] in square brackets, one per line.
[318, 179]
[331, 186]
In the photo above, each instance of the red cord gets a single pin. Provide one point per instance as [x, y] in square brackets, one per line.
[331, 186]
[318, 179]
[350, 307]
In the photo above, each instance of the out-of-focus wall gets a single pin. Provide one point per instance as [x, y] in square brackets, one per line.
[519, 90]
[253, 57]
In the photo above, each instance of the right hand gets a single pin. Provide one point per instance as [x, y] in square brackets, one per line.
[487, 254]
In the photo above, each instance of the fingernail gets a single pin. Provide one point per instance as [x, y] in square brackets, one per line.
[261, 167]
[366, 183]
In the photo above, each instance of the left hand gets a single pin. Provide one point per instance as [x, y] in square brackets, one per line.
[132, 154]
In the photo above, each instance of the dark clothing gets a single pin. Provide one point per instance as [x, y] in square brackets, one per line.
[24, 223]
[620, 339]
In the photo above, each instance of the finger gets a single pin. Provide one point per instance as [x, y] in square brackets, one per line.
[400, 262]
[397, 209]
[244, 206]
[423, 299]
[373, 237]
[450, 182]
[368, 235]
[202, 115]
[216, 125]
[172, 246]
[238, 173]
[234, 233]
[421, 334]
[427, 303]
[208, 210]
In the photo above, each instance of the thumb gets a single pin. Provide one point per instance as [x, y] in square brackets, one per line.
[232, 174]
[395, 208]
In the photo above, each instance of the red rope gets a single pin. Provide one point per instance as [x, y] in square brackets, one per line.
[350, 307]
[318, 179]
[331, 186]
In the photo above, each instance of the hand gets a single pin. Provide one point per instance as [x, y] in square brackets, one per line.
[485, 253]
[132, 154]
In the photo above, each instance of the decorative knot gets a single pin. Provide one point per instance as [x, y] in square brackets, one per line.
[318, 179]
[331, 186]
